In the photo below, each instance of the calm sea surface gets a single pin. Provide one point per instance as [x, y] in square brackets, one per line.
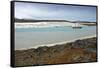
[31, 37]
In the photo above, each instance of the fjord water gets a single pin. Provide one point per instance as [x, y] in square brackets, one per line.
[33, 37]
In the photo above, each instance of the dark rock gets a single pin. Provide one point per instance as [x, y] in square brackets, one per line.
[79, 51]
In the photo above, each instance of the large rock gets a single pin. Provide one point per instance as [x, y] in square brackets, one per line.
[74, 52]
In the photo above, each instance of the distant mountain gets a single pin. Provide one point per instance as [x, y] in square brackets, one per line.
[82, 22]
[34, 20]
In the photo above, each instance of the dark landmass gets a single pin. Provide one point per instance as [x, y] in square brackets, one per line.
[80, 51]
[83, 22]
[89, 24]
[34, 20]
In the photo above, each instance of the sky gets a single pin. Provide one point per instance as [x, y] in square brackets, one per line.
[40, 11]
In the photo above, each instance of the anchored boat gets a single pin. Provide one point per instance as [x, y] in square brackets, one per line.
[77, 26]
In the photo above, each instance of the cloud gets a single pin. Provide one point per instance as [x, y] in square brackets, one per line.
[52, 11]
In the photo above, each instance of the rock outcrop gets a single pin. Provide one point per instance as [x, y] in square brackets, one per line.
[74, 52]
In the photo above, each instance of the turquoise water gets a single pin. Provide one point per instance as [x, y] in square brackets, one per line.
[48, 29]
[31, 37]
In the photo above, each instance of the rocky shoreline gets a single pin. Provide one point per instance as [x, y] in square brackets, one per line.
[79, 51]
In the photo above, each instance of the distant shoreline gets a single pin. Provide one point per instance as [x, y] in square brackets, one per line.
[89, 24]
[59, 43]
[49, 24]
[55, 20]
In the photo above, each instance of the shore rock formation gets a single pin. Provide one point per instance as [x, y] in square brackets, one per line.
[79, 51]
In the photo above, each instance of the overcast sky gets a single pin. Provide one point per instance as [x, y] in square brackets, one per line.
[54, 12]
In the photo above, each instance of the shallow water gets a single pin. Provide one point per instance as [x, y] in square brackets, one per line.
[31, 37]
